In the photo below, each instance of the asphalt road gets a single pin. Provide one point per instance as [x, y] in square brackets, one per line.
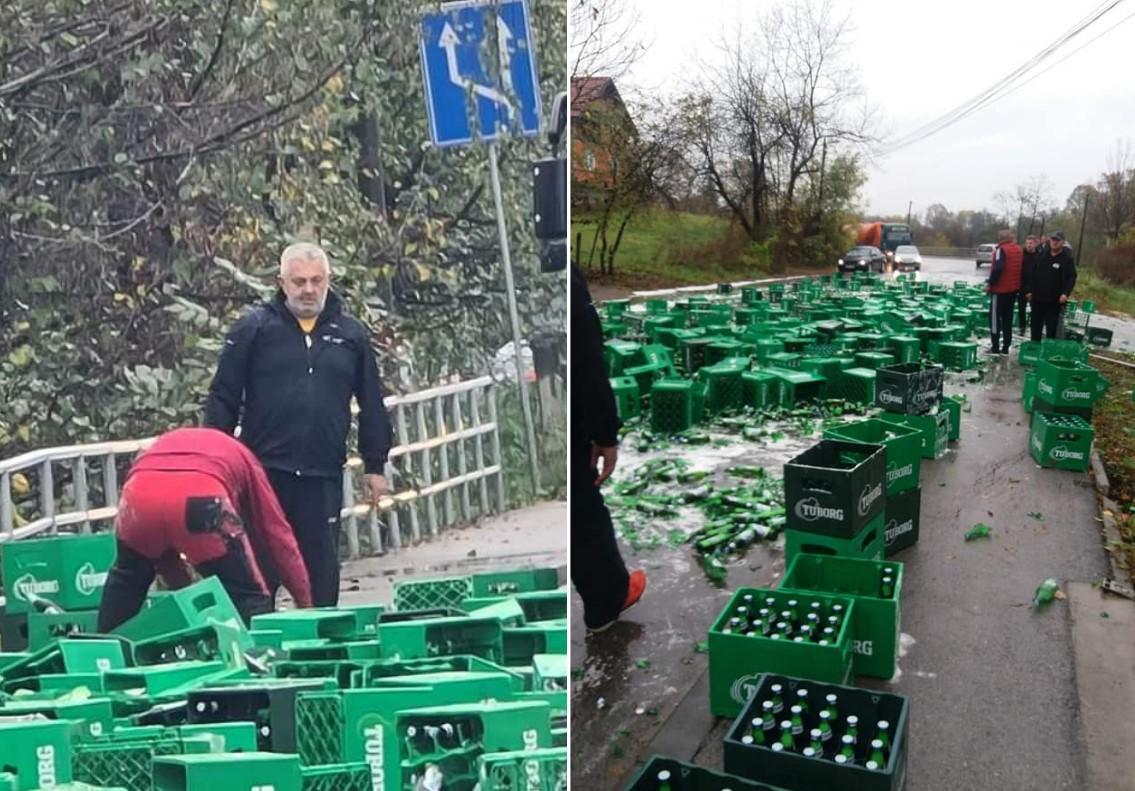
[991, 682]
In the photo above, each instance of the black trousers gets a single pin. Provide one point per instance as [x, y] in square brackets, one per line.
[1001, 320]
[1047, 316]
[129, 580]
[597, 569]
[1022, 310]
[312, 506]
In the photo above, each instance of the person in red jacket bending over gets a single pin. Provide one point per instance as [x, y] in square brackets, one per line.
[198, 495]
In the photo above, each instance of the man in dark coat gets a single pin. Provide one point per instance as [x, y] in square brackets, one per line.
[1049, 286]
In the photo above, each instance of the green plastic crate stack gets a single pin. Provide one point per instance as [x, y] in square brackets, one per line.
[743, 645]
[1067, 387]
[457, 736]
[903, 460]
[544, 769]
[881, 716]
[228, 772]
[835, 498]
[129, 763]
[1063, 442]
[67, 570]
[876, 588]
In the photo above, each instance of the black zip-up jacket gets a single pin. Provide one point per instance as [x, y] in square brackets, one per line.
[1050, 276]
[1028, 264]
[291, 393]
[594, 416]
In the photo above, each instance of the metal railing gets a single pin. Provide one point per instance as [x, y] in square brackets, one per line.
[445, 470]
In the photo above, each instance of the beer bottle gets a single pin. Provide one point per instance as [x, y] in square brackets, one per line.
[831, 700]
[883, 734]
[777, 692]
[411, 741]
[794, 613]
[664, 780]
[842, 759]
[848, 747]
[797, 720]
[817, 741]
[825, 727]
[810, 752]
[852, 728]
[802, 699]
[747, 740]
[887, 588]
[873, 766]
[877, 752]
[756, 730]
[777, 747]
[786, 739]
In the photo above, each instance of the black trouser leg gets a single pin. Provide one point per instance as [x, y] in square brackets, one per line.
[1046, 318]
[1053, 324]
[127, 584]
[234, 570]
[1037, 324]
[1005, 304]
[597, 569]
[312, 506]
[1022, 309]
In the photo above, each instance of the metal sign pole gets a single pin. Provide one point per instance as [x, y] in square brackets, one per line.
[514, 317]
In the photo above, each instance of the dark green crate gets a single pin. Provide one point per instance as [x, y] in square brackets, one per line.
[671, 405]
[933, 429]
[723, 387]
[1028, 391]
[736, 661]
[1028, 353]
[227, 772]
[797, 387]
[874, 360]
[66, 570]
[797, 772]
[1098, 336]
[441, 637]
[1063, 442]
[953, 404]
[760, 389]
[28, 746]
[337, 777]
[904, 446]
[957, 355]
[876, 624]
[689, 777]
[902, 519]
[45, 628]
[628, 397]
[857, 384]
[868, 544]
[1054, 349]
[835, 488]
[1041, 404]
[692, 352]
[544, 769]
[908, 388]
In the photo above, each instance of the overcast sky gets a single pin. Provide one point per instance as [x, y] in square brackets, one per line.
[918, 60]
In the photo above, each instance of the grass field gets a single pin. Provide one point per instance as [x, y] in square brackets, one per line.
[674, 248]
[1108, 298]
[1113, 421]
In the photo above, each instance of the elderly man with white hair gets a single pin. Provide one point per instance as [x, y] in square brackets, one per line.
[287, 373]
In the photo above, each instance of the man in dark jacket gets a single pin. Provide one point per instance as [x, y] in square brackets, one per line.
[287, 373]
[1030, 256]
[597, 569]
[1049, 285]
[200, 495]
[1004, 283]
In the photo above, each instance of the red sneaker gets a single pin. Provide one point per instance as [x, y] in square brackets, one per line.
[635, 588]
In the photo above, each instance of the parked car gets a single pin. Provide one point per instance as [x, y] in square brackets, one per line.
[862, 259]
[907, 258]
[985, 254]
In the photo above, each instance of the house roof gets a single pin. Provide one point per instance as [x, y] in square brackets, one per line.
[586, 90]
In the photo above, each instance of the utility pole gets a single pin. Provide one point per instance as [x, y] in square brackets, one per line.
[1083, 219]
[909, 206]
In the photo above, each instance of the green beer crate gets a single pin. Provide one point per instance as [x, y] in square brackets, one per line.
[93, 717]
[549, 672]
[858, 385]
[37, 754]
[45, 628]
[628, 398]
[672, 405]
[544, 769]
[520, 644]
[692, 351]
[737, 660]
[874, 360]
[1028, 353]
[129, 764]
[1061, 441]
[1053, 349]
[1098, 336]
[228, 772]
[766, 347]
[1028, 392]
[337, 777]
[67, 570]
[957, 355]
[953, 404]
[760, 389]
[481, 637]
[309, 624]
[268, 703]
[797, 772]
[536, 606]
[867, 544]
[1065, 383]
[412, 595]
[797, 387]
[210, 642]
[70, 656]
[875, 625]
[688, 777]
[933, 429]
[1041, 404]
[903, 445]
[162, 680]
[835, 488]
[199, 604]
[902, 517]
[620, 355]
[723, 387]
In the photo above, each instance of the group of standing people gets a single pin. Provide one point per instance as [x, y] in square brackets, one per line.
[1038, 277]
[263, 510]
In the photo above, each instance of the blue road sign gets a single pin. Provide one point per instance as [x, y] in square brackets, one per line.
[479, 82]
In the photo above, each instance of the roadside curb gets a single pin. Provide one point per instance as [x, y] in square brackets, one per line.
[1103, 485]
[1108, 509]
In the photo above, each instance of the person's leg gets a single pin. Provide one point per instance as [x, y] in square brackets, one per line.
[597, 571]
[1006, 320]
[1022, 308]
[312, 507]
[240, 576]
[1037, 321]
[1052, 321]
[994, 323]
[127, 584]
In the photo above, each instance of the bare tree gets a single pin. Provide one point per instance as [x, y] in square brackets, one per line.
[1117, 192]
[605, 38]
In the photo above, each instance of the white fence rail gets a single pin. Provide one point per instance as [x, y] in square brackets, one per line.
[446, 469]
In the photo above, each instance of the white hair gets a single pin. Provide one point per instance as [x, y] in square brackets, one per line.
[305, 251]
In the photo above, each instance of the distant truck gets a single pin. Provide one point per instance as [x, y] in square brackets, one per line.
[884, 235]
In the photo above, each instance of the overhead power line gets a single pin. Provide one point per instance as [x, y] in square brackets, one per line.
[1011, 81]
